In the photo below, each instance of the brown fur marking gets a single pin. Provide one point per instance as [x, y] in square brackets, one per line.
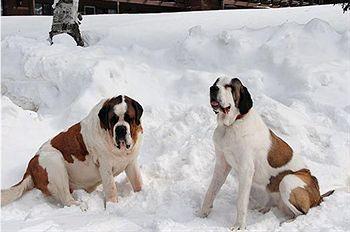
[307, 197]
[303, 198]
[299, 197]
[275, 181]
[280, 152]
[134, 128]
[108, 105]
[131, 112]
[70, 143]
[38, 174]
[311, 187]
[130, 109]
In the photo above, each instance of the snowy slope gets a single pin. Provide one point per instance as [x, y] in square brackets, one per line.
[295, 62]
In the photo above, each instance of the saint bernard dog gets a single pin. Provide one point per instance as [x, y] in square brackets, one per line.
[89, 153]
[259, 157]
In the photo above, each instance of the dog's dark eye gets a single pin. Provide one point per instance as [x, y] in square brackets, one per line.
[114, 119]
[228, 86]
[127, 118]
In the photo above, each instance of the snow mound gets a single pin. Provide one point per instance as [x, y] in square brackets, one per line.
[295, 63]
[64, 39]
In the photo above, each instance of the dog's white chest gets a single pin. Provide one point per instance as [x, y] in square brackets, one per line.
[227, 141]
[243, 142]
[120, 163]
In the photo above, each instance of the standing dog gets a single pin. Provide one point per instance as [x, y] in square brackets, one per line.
[260, 157]
[92, 151]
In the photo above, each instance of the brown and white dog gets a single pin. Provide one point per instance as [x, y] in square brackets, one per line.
[91, 152]
[243, 141]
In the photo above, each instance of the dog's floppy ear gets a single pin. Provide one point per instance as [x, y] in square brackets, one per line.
[138, 111]
[217, 80]
[245, 102]
[103, 115]
[241, 95]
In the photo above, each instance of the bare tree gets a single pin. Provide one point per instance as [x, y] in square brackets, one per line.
[66, 19]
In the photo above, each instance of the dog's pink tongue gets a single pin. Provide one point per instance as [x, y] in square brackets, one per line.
[122, 146]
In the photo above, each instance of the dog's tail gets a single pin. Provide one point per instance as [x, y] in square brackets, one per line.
[16, 191]
[327, 194]
[338, 189]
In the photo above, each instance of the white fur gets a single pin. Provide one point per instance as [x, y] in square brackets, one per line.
[244, 145]
[15, 192]
[226, 99]
[221, 171]
[52, 160]
[121, 108]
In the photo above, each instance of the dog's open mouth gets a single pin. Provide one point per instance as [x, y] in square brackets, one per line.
[216, 107]
[121, 145]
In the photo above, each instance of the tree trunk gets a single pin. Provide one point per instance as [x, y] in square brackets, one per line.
[66, 19]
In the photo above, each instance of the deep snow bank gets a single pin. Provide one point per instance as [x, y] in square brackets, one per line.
[295, 65]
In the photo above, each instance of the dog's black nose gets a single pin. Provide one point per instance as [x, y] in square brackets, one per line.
[214, 92]
[120, 133]
[214, 88]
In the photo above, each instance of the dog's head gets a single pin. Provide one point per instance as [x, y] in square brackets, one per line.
[121, 117]
[228, 97]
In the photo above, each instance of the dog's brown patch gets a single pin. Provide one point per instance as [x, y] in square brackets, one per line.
[70, 143]
[311, 187]
[280, 152]
[132, 112]
[275, 181]
[38, 174]
[299, 197]
[107, 113]
[134, 130]
[303, 198]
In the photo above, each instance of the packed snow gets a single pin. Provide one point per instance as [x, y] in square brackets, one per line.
[294, 61]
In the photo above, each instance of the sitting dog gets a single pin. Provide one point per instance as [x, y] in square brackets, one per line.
[258, 155]
[90, 152]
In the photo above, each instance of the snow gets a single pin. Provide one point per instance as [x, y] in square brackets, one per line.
[64, 39]
[294, 61]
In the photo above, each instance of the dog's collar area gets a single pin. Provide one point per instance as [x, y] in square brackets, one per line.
[239, 116]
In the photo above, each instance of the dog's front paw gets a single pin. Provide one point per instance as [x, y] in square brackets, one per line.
[112, 207]
[203, 213]
[238, 226]
[83, 206]
[264, 210]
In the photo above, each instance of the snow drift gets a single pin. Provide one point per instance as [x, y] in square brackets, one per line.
[295, 63]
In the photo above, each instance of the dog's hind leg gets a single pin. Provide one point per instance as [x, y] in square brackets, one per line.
[294, 198]
[289, 220]
[58, 180]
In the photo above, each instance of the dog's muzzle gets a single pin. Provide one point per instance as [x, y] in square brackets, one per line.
[120, 137]
[215, 104]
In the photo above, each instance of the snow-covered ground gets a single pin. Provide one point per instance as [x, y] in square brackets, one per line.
[295, 62]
